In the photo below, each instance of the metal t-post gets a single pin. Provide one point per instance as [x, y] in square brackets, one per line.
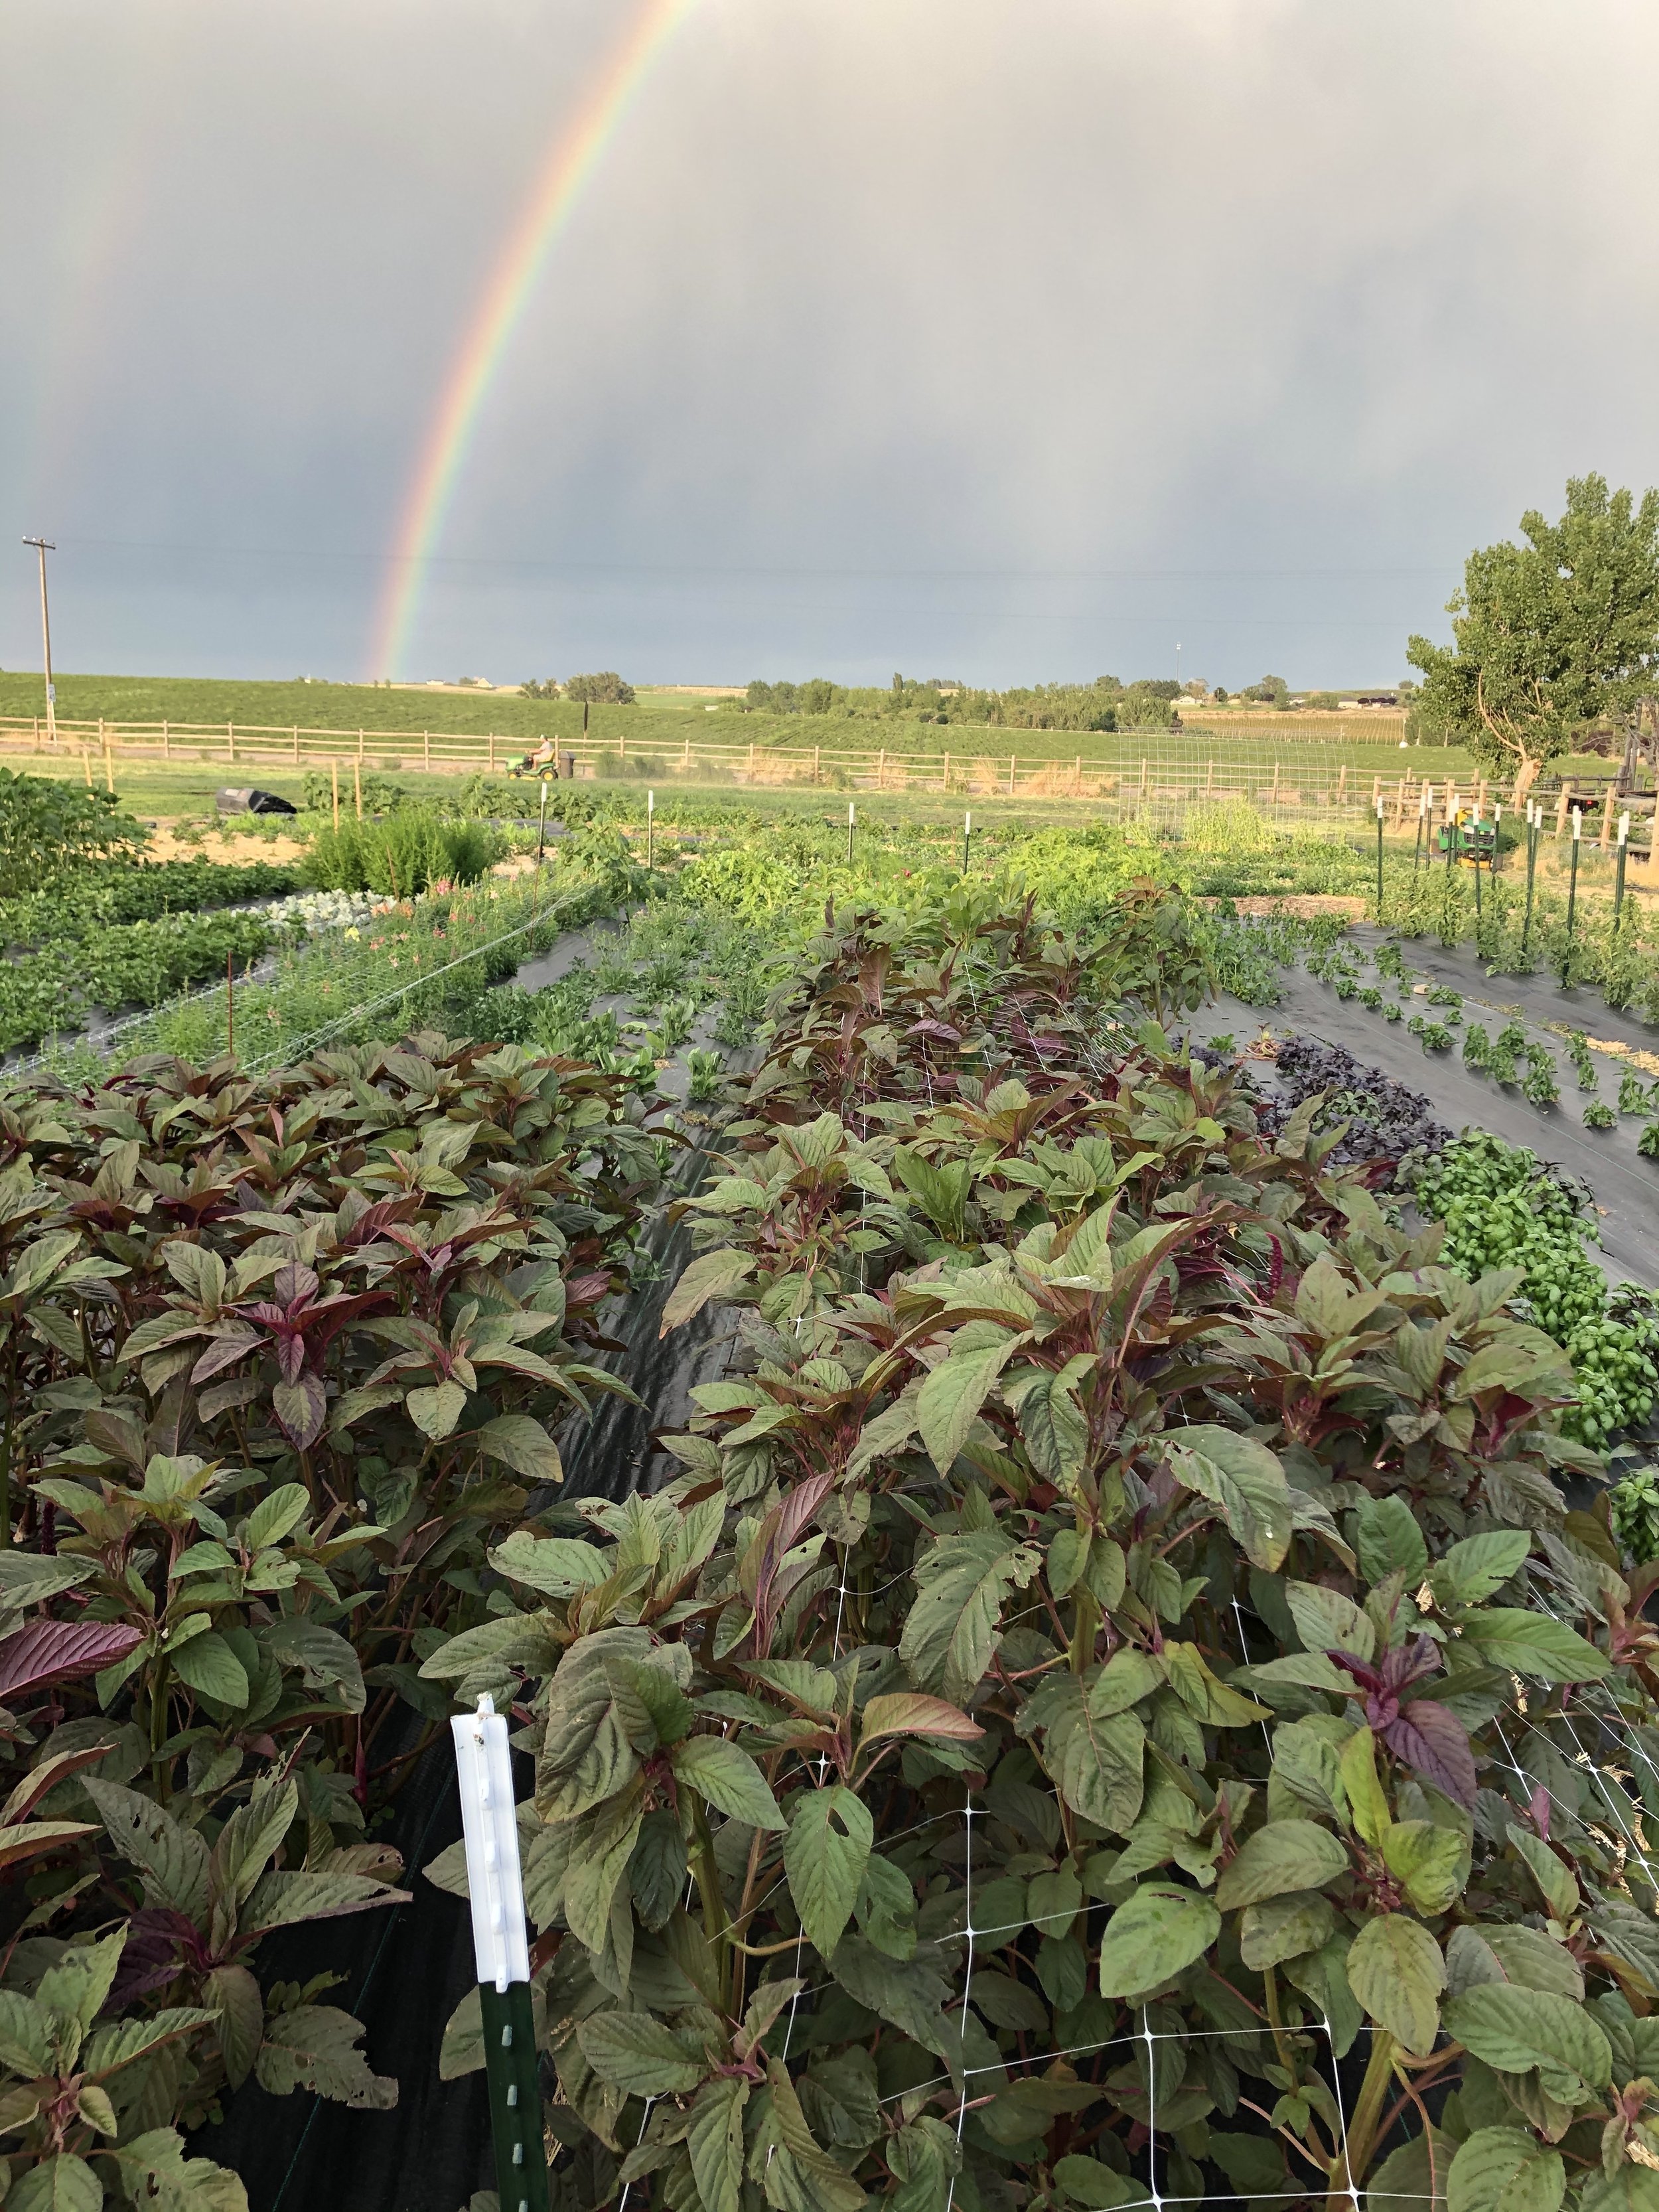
[1532, 869]
[541, 827]
[1379, 863]
[1425, 801]
[851, 812]
[1618, 878]
[1572, 898]
[650, 828]
[1478, 917]
[967, 831]
[490, 1822]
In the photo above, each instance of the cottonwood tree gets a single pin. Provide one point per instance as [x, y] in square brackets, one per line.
[1549, 633]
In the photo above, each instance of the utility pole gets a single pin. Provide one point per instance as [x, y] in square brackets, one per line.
[43, 546]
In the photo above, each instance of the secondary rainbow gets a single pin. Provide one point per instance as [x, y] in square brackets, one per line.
[501, 308]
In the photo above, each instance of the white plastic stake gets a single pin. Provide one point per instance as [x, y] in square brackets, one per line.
[1623, 827]
[490, 1823]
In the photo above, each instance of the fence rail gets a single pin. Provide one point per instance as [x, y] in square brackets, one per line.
[1151, 776]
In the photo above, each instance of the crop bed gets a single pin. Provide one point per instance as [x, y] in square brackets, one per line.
[1104, 1702]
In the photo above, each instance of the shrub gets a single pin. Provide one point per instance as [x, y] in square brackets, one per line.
[401, 856]
[49, 830]
[1599, 1115]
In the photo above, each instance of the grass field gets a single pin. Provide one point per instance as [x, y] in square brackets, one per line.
[662, 719]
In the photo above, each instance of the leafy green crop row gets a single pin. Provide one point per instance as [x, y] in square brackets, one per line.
[1503, 1208]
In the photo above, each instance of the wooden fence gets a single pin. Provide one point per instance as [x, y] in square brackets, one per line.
[1152, 776]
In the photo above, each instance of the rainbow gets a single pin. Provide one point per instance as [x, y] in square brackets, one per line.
[571, 163]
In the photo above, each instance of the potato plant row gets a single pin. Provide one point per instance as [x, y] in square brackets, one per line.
[1112, 1704]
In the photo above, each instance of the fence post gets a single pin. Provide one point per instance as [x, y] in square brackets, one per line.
[1606, 819]
[166, 752]
[1209, 776]
[230, 738]
[1077, 778]
[686, 762]
[1341, 782]
[946, 786]
[426, 751]
[360, 749]
[334, 781]
[1010, 775]
[357, 782]
[109, 766]
[492, 753]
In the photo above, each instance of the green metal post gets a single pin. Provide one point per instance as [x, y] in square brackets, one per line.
[1573, 900]
[650, 828]
[1425, 800]
[1379, 863]
[1618, 878]
[512, 2073]
[541, 830]
[1532, 870]
[967, 833]
[850, 816]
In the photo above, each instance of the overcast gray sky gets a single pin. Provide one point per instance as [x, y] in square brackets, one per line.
[1006, 339]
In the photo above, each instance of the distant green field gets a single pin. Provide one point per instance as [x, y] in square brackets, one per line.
[660, 722]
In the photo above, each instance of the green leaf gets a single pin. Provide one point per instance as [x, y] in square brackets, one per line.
[1056, 1435]
[909, 1993]
[1068, 1554]
[953, 1630]
[1285, 1855]
[948, 1403]
[1094, 2187]
[638, 2054]
[1129, 1676]
[324, 1657]
[283, 1899]
[436, 1411]
[1154, 1936]
[1390, 1541]
[557, 1566]
[1630, 2189]
[26, 2035]
[713, 2139]
[586, 1756]
[63, 2184]
[1367, 1802]
[728, 1778]
[1286, 1927]
[29, 1579]
[1515, 2030]
[1533, 1644]
[1475, 1568]
[824, 1857]
[234, 1994]
[277, 1515]
[1245, 1481]
[207, 1663]
[714, 1276]
[1096, 1765]
[1396, 1972]
[315, 2047]
[1328, 1621]
[1430, 1864]
[906, 1712]
[172, 1858]
[1505, 2169]
[523, 1445]
[78, 1984]
[1554, 1880]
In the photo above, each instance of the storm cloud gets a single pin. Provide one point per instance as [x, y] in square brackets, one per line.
[1003, 340]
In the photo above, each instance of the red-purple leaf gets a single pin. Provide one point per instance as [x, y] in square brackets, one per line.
[1434, 1742]
[59, 1651]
